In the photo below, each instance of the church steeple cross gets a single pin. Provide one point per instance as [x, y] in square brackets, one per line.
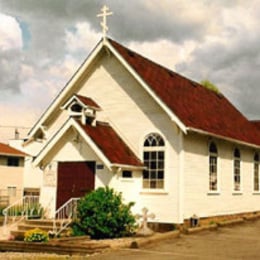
[104, 14]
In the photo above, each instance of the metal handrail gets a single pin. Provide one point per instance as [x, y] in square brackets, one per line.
[65, 215]
[23, 208]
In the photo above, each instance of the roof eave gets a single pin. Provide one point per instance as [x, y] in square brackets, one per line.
[229, 139]
[74, 97]
[13, 155]
[127, 166]
[69, 123]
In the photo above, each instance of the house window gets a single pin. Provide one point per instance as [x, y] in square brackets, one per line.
[256, 172]
[153, 156]
[213, 167]
[11, 190]
[31, 192]
[237, 170]
[13, 161]
[127, 174]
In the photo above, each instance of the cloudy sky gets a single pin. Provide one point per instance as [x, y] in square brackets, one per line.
[42, 43]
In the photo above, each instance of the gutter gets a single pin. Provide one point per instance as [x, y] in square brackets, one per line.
[202, 132]
[126, 166]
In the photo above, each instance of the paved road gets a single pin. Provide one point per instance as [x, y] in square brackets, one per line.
[238, 242]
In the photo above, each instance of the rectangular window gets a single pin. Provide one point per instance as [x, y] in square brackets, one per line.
[153, 176]
[153, 158]
[13, 161]
[31, 192]
[256, 176]
[237, 175]
[127, 174]
[11, 190]
[213, 180]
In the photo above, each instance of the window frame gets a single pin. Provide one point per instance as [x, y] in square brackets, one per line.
[154, 159]
[12, 191]
[13, 161]
[213, 163]
[256, 172]
[237, 173]
[127, 174]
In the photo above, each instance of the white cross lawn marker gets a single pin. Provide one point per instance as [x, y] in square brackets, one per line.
[104, 14]
[144, 229]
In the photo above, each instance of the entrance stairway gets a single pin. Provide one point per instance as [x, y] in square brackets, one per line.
[43, 224]
[20, 217]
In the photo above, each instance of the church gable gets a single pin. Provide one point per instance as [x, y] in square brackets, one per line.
[53, 113]
[101, 138]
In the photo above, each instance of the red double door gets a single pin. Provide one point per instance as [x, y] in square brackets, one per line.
[75, 179]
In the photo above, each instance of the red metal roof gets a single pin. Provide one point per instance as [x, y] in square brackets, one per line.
[109, 142]
[196, 106]
[8, 150]
[87, 101]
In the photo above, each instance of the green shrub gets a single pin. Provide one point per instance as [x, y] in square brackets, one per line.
[209, 85]
[102, 214]
[36, 235]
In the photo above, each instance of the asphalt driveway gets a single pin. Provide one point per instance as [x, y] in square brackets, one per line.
[237, 242]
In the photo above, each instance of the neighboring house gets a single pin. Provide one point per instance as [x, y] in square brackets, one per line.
[166, 142]
[11, 174]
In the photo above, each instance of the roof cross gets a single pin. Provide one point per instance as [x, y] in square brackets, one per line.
[104, 14]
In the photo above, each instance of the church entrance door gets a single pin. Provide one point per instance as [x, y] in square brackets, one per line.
[75, 179]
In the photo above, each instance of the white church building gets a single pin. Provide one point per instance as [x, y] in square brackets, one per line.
[166, 142]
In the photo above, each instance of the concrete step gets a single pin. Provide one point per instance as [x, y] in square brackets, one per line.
[26, 227]
[43, 224]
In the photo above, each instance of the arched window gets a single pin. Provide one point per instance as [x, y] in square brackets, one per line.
[256, 172]
[213, 167]
[237, 170]
[153, 156]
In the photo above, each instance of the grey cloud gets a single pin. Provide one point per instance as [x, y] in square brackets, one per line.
[48, 20]
[234, 65]
[233, 68]
[131, 20]
[9, 72]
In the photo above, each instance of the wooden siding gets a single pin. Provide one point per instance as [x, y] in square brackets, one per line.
[134, 114]
[197, 197]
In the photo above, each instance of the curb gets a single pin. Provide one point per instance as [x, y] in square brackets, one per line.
[199, 229]
[138, 242]
[221, 224]
[252, 217]
[230, 222]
